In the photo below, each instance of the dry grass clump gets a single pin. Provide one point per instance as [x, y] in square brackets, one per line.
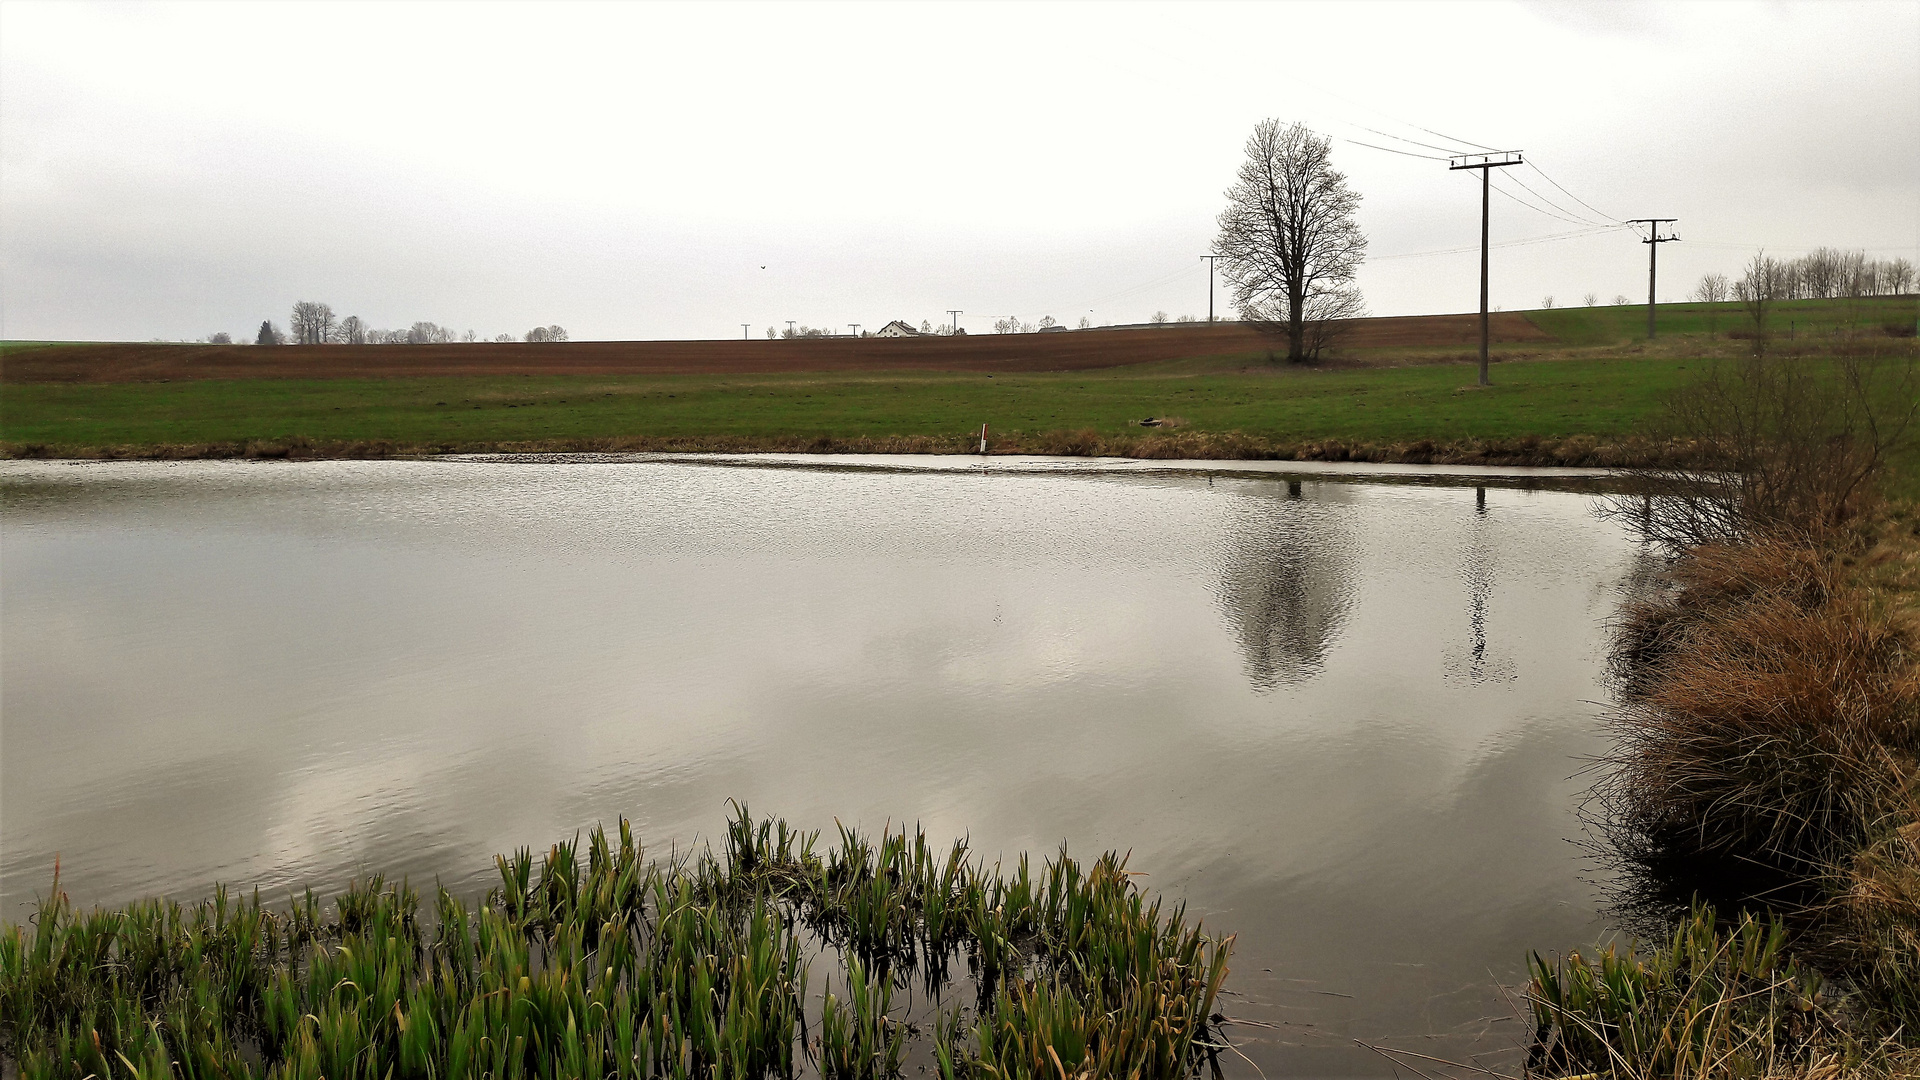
[1769, 715]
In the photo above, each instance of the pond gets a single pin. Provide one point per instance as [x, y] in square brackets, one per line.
[1340, 712]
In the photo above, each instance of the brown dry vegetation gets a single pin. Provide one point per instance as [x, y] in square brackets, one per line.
[1068, 351]
[1578, 451]
[1767, 742]
[1768, 759]
[1773, 706]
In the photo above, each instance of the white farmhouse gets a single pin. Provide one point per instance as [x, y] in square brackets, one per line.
[897, 328]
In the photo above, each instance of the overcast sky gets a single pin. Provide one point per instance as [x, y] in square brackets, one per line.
[637, 171]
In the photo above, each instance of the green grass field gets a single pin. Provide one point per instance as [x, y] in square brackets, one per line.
[1553, 398]
[1789, 321]
[1601, 381]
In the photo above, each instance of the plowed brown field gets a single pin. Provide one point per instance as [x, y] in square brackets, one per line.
[1067, 351]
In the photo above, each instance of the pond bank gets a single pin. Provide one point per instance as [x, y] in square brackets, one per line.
[1583, 452]
[1767, 763]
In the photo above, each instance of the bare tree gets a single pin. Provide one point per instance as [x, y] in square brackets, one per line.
[1898, 276]
[221, 338]
[1085, 323]
[1547, 303]
[1711, 291]
[1591, 299]
[1760, 284]
[312, 323]
[557, 333]
[1619, 299]
[1288, 235]
[1159, 318]
[509, 337]
[426, 333]
[353, 330]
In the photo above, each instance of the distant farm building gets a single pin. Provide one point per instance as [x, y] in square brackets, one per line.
[898, 328]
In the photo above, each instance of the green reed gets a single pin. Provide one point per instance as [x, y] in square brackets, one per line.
[593, 961]
[1713, 1001]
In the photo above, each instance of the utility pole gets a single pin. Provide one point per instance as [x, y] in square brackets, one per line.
[956, 318]
[744, 336]
[1210, 260]
[1653, 242]
[856, 328]
[1486, 163]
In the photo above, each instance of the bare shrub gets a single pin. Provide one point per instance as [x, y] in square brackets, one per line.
[1789, 447]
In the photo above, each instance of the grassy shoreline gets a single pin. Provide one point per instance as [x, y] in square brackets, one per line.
[1767, 765]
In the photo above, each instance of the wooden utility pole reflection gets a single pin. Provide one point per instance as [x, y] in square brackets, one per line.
[1478, 665]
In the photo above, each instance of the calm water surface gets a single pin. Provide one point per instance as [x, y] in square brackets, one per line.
[1337, 716]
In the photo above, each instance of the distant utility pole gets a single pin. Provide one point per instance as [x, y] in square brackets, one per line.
[1653, 242]
[744, 335]
[789, 327]
[1210, 259]
[956, 318]
[856, 328]
[1486, 163]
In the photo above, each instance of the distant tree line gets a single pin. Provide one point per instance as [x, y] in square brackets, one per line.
[1824, 274]
[1832, 274]
[314, 323]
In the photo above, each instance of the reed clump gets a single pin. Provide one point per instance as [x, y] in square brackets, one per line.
[595, 962]
[1713, 1001]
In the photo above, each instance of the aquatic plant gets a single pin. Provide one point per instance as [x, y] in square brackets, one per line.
[616, 966]
[1712, 1001]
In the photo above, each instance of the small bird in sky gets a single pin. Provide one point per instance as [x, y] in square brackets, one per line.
[763, 268]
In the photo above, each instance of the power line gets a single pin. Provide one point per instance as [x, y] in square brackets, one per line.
[1389, 149]
[1538, 210]
[1403, 123]
[1570, 194]
[1409, 142]
[1163, 279]
[1555, 205]
[1450, 138]
[1574, 234]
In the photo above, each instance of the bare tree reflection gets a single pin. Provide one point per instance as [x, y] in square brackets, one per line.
[1286, 581]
